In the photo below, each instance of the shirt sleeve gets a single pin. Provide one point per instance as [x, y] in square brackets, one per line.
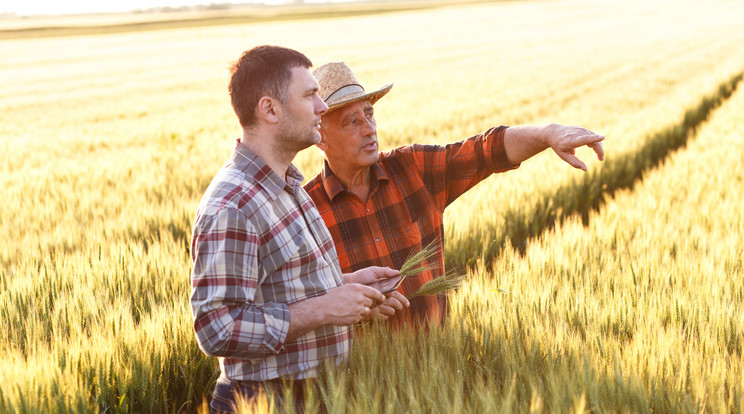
[227, 319]
[451, 170]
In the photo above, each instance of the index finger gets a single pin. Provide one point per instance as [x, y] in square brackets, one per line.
[598, 149]
[384, 272]
[373, 294]
[399, 297]
[589, 138]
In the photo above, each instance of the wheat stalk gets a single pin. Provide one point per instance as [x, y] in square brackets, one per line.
[441, 284]
[416, 263]
[413, 264]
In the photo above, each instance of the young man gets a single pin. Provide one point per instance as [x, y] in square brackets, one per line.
[268, 296]
[381, 207]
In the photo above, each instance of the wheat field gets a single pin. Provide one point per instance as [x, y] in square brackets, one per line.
[617, 290]
[625, 314]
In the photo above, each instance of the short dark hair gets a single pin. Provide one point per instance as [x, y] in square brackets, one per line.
[263, 70]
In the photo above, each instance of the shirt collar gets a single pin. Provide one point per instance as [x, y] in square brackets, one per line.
[252, 165]
[334, 187]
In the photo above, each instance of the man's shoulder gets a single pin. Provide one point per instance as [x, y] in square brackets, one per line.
[231, 189]
[401, 159]
[408, 154]
[317, 191]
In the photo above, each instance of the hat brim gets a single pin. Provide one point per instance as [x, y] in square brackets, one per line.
[372, 97]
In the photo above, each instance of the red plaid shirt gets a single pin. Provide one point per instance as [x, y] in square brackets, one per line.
[259, 245]
[411, 187]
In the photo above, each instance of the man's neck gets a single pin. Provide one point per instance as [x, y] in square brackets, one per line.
[264, 147]
[356, 180]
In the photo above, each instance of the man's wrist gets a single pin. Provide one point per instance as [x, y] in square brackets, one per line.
[545, 135]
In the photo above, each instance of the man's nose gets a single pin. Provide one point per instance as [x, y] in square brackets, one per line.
[320, 107]
[369, 126]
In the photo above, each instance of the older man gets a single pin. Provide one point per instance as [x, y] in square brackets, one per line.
[381, 207]
[268, 296]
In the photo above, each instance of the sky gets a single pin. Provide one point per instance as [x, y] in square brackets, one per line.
[36, 7]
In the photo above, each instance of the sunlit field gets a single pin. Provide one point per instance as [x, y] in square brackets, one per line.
[618, 289]
[640, 310]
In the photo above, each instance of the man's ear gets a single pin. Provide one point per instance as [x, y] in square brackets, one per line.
[268, 109]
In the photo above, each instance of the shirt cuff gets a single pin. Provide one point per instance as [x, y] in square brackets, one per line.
[276, 319]
[498, 150]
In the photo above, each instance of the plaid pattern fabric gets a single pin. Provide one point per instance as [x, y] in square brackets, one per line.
[259, 245]
[411, 187]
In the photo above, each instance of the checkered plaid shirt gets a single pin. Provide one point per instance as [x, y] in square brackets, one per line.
[411, 187]
[259, 245]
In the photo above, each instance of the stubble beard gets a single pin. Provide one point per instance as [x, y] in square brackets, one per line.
[292, 136]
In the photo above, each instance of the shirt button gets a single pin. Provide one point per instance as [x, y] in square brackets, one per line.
[367, 210]
[377, 239]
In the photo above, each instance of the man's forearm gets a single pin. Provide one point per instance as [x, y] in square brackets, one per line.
[343, 305]
[524, 141]
[304, 316]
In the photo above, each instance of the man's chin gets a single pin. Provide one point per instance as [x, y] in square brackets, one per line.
[316, 138]
[373, 158]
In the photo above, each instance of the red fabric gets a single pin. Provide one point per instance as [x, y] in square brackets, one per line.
[411, 187]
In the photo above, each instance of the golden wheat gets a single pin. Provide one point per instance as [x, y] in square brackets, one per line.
[109, 141]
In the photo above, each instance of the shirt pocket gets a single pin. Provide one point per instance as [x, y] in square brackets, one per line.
[404, 238]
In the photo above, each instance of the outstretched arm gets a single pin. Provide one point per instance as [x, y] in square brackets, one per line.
[522, 142]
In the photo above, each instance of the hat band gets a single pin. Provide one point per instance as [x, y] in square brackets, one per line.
[344, 91]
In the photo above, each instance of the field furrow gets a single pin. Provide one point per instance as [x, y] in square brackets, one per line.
[528, 219]
[108, 141]
[639, 310]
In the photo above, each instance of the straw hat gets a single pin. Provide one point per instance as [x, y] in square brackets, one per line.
[339, 86]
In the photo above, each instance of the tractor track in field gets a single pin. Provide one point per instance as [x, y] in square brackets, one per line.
[589, 193]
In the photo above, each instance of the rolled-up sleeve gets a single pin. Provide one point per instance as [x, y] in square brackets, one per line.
[451, 170]
[227, 320]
